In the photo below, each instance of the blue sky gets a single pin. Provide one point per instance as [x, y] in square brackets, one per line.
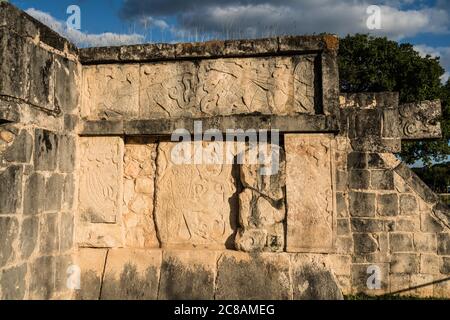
[424, 23]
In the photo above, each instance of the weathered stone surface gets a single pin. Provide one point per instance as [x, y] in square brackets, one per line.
[10, 189]
[362, 204]
[445, 265]
[401, 242]
[365, 243]
[387, 204]
[443, 244]
[132, 275]
[261, 223]
[257, 85]
[66, 76]
[15, 65]
[12, 282]
[186, 274]
[99, 235]
[425, 242]
[21, 149]
[189, 219]
[66, 230]
[405, 263]
[45, 150]
[69, 192]
[100, 189]
[43, 281]
[359, 179]
[140, 171]
[367, 225]
[9, 230]
[311, 216]
[419, 120]
[110, 91]
[49, 234]
[35, 191]
[42, 86]
[365, 276]
[67, 152]
[408, 204]
[29, 236]
[255, 277]
[54, 188]
[91, 263]
[429, 263]
[312, 279]
[382, 179]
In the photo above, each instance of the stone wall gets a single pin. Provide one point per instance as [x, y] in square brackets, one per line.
[88, 179]
[39, 101]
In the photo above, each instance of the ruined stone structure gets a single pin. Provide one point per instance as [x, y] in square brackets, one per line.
[87, 181]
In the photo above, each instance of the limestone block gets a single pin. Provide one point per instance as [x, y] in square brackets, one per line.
[259, 277]
[49, 234]
[444, 244]
[193, 202]
[21, 148]
[10, 189]
[312, 279]
[311, 218]
[188, 275]
[425, 242]
[137, 216]
[42, 282]
[42, 84]
[45, 150]
[429, 263]
[261, 223]
[34, 202]
[110, 91]
[405, 263]
[423, 284]
[28, 236]
[9, 230]
[12, 282]
[371, 279]
[91, 263]
[101, 179]
[99, 235]
[67, 75]
[131, 275]
[276, 85]
[15, 65]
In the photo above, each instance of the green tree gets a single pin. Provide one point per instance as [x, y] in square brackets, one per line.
[372, 64]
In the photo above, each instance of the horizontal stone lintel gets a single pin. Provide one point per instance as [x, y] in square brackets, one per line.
[209, 49]
[160, 127]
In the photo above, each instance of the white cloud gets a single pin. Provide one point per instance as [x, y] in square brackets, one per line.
[442, 52]
[85, 39]
[256, 18]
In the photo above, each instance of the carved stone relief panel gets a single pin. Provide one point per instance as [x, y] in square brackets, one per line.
[138, 194]
[275, 85]
[101, 176]
[309, 191]
[194, 202]
[110, 91]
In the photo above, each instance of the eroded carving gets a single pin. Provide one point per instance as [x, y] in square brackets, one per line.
[100, 178]
[194, 203]
[420, 120]
[310, 217]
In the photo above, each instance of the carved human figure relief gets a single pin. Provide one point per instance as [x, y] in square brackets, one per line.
[309, 191]
[100, 178]
[193, 202]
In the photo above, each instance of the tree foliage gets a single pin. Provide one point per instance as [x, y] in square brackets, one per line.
[372, 64]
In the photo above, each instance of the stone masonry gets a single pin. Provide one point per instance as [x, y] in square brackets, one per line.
[94, 205]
